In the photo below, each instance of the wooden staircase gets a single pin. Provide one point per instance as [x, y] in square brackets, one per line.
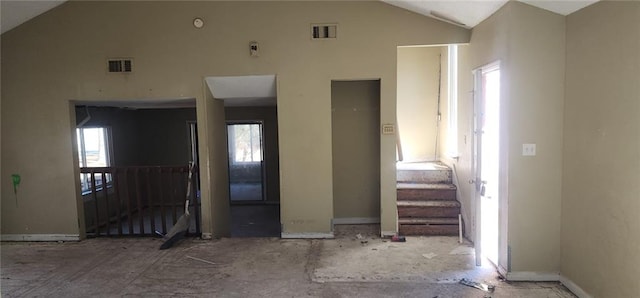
[427, 204]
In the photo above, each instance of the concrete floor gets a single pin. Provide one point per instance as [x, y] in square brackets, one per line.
[355, 264]
[260, 220]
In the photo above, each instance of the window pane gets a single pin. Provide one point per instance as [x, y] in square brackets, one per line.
[256, 145]
[93, 151]
[79, 135]
[95, 147]
[245, 142]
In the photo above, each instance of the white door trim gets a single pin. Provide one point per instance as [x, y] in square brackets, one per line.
[503, 251]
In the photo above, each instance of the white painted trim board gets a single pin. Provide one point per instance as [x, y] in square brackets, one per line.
[574, 288]
[40, 237]
[544, 276]
[307, 235]
[356, 220]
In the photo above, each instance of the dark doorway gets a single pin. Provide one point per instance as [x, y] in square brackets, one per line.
[134, 165]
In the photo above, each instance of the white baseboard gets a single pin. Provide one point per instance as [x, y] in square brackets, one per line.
[544, 276]
[531, 276]
[40, 237]
[388, 233]
[356, 220]
[307, 235]
[574, 288]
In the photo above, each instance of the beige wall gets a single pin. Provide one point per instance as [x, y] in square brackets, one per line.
[529, 43]
[462, 166]
[418, 70]
[170, 60]
[214, 170]
[601, 202]
[164, 135]
[355, 126]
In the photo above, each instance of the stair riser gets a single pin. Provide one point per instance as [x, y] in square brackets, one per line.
[428, 212]
[426, 194]
[430, 176]
[428, 230]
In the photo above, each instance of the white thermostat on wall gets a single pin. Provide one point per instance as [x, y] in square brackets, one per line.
[388, 129]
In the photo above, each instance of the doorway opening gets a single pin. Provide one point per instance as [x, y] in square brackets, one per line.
[254, 187]
[251, 133]
[487, 161]
[355, 122]
[246, 167]
[133, 160]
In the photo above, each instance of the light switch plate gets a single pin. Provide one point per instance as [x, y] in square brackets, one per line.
[528, 149]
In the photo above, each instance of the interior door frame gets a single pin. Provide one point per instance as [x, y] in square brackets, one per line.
[263, 163]
[504, 259]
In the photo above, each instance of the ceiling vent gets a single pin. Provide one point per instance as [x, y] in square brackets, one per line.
[324, 31]
[119, 65]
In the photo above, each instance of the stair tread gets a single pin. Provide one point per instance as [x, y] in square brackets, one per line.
[422, 166]
[439, 221]
[425, 186]
[438, 203]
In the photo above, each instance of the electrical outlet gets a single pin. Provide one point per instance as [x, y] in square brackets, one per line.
[528, 149]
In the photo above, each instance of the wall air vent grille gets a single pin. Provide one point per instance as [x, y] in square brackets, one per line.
[119, 65]
[324, 31]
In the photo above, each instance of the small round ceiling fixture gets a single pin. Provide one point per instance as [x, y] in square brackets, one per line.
[198, 23]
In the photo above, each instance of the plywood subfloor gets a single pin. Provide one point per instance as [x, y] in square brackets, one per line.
[355, 264]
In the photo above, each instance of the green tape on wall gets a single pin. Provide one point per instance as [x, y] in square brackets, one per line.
[15, 179]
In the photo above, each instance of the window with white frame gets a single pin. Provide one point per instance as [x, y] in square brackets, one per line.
[94, 150]
[452, 125]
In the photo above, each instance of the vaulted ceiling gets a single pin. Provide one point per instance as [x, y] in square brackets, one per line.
[466, 13]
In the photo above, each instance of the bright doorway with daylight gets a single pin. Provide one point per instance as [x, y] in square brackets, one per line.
[251, 207]
[246, 170]
[488, 161]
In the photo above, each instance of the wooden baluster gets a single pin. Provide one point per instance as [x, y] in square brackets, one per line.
[106, 199]
[128, 198]
[172, 195]
[94, 193]
[162, 213]
[152, 217]
[116, 191]
[139, 201]
[194, 198]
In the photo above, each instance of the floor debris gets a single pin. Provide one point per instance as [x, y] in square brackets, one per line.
[462, 250]
[201, 260]
[359, 236]
[398, 239]
[477, 285]
[429, 255]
